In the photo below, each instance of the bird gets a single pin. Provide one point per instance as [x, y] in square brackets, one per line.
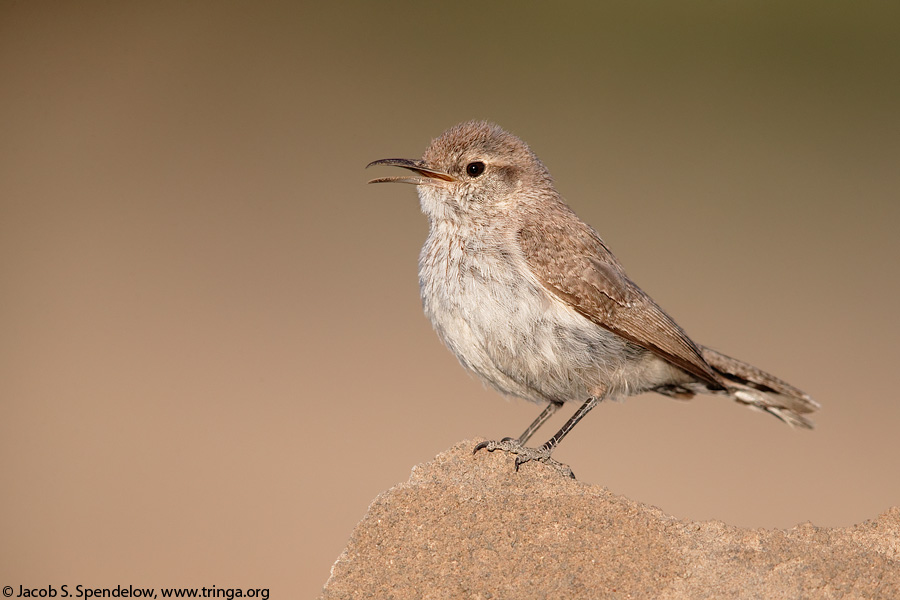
[533, 302]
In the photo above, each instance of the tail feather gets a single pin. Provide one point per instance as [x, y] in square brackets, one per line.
[760, 390]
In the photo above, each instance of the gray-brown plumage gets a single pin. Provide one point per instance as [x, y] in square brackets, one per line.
[531, 300]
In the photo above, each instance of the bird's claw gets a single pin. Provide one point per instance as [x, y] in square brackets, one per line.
[525, 454]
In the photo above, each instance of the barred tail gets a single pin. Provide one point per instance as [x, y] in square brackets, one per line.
[757, 389]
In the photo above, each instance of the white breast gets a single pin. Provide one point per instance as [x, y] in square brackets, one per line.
[504, 327]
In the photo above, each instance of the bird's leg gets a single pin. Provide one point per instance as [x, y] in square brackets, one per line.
[542, 453]
[584, 409]
[541, 419]
[548, 411]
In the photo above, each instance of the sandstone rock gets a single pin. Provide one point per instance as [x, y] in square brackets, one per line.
[469, 526]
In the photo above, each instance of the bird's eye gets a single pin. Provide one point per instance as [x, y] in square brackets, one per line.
[474, 169]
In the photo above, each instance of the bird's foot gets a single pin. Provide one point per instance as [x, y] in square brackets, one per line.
[525, 454]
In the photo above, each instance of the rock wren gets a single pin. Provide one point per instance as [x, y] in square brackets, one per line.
[531, 300]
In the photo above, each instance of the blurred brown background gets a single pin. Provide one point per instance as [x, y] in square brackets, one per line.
[212, 352]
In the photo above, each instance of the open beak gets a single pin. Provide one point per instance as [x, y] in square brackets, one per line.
[428, 176]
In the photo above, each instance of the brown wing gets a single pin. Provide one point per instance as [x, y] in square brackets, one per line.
[574, 264]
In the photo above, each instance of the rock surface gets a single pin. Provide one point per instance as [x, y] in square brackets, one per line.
[468, 526]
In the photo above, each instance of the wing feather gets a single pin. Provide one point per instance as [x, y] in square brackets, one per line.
[574, 264]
